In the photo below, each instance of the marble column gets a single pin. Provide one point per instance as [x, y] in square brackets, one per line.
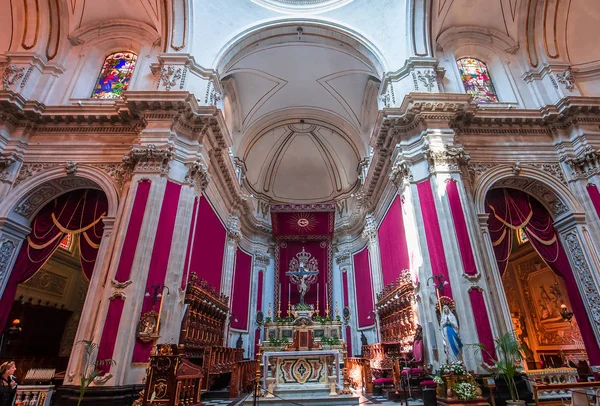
[234, 235]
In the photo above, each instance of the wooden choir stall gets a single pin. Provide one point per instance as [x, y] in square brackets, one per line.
[179, 373]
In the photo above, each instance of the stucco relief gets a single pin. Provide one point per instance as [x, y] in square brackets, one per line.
[41, 195]
[538, 190]
[7, 247]
[584, 274]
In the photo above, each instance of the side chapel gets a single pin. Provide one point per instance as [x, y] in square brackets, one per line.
[313, 201]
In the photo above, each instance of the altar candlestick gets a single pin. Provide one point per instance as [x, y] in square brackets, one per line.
[289, 293]
[317, 292]
[326, 301]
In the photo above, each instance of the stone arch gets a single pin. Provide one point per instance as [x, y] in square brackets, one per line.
[548, 189]
[569, 222]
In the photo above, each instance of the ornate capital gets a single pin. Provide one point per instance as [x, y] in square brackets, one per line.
[261, 259]
[447, 160]
[370, 230]
[6, 161]
[344, 258]
[566, 79]
[400, 172]
[586, 164]
[149, 159]
[233, 232]
[197, 175]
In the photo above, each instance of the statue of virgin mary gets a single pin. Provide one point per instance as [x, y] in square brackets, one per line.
[452, 344]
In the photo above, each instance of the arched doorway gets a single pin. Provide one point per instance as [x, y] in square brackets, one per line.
[547, 311]
[43, 299]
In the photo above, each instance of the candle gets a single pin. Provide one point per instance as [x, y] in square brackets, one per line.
[317, 292]
[326, 296]
[279, 299]
[289, 293]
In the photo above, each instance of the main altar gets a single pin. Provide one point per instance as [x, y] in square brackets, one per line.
[302, 351]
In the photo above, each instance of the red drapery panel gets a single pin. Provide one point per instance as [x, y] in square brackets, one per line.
[460, 225]
[241, 290]
[208, 249]
[309, 227]
[77, 212]
[159, 260]
[392, 243]
[110, 331]
[188, 251]
[594, 197]
[364, 289]
[285, 252]
[517, 210]
[433, 235]
[482, 324]
[134, 228]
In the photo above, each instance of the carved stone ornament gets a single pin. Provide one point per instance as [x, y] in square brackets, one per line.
[147, 330]
[450, 159]
[233, 230]
[370, 230]
[584, 274]
[10, 75]
[168, 76]
[41, 195]
[150, 159]
[344, 258]
[7, 247]
[197, 175]
[261, 259]
[121, 285]
[566, 79]
[586, 164]
[71, 168]
[30, 169]
[428, 78]
[102, 379]
[400, 172]
[212, 96]
[6, 161]
[477, 169]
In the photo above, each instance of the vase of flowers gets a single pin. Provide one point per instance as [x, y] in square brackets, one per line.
[465, 390]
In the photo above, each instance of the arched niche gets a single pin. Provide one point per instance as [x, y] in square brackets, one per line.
[490, 46]
[92, 44]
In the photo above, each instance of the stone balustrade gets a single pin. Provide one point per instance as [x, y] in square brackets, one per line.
[34, 395]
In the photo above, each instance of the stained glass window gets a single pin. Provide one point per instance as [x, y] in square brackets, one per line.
[521, 236]
[476, 79]
[115, 75]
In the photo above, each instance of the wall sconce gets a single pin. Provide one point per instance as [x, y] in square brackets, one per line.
[157, 291]
[565, 313]
[15, 327]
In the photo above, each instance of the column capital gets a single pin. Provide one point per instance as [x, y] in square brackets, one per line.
[370, 230]
[400, 172]
[585, 165]
[148, 159]
[446, 160]
[197, 175]
[261, 259]
[233, 229]
[344, 258]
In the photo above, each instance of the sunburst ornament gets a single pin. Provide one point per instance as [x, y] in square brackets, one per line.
[303, 222]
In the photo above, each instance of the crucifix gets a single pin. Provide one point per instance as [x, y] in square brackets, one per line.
[303, 272]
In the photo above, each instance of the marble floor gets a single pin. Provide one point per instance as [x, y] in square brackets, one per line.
[364, 400]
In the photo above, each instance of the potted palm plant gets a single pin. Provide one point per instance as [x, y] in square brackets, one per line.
[91, 369]
[507, 363]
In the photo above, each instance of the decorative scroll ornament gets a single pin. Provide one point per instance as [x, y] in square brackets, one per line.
[11, 75]
[234, 233]
[168, 77]
[6, 161]
[428, 79]
[566, 79]
[303, 271]
[198, 175]
[400, 172]
[450, 159]
[147, 330]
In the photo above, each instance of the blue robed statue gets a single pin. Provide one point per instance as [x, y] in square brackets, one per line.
[453, 345]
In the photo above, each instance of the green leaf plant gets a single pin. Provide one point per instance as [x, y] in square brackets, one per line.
[90, 370]
[508, 361]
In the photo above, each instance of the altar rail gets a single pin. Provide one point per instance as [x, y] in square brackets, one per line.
[550, 376]
[359, 374]
[243, 375]
[34, 395]
[559, 394]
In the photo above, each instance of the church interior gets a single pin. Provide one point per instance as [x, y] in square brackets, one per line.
[299, 202]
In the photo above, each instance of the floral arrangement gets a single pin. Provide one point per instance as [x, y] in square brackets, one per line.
[277, 342]
[465, 390]
[438, 379]
[330, 340]
[453, 368]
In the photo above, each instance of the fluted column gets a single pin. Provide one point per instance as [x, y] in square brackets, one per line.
[370, 234]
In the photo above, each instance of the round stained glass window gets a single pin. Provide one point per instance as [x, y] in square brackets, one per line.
[302, 6]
